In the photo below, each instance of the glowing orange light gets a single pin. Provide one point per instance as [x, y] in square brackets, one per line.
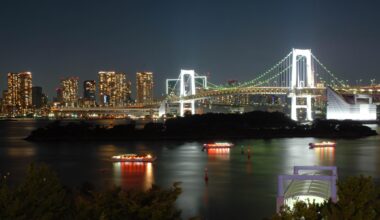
[218, 151]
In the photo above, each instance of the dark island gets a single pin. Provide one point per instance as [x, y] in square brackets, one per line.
[255, 124]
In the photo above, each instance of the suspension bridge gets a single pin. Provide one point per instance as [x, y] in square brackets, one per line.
[299, 75]
[299, 78]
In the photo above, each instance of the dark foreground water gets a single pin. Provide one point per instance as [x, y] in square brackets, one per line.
[237, 187]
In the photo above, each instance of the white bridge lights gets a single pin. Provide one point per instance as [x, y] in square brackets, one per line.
[302, 76]
[187, 88]
[295, 72]
[184, 86]
[302, 73]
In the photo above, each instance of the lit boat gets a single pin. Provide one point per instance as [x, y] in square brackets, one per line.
[322, 144]
[218, 145]
[133, 158]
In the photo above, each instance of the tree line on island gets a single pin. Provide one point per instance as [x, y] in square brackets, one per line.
[256, 124]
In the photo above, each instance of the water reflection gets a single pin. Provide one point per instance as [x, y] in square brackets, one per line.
[326, 155]
[133, 175]
[237, 186]
[107, 150]
[296, 153]
[219, 153]
[249, 167]
[21, 151]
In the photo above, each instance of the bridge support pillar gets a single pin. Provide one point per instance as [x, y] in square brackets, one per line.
[302, 76]
[186, 106]
[162, 109]
[187, 88]
[296, 72]
[308, 108]
[295, 106]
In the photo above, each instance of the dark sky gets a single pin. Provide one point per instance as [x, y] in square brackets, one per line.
[230, 39]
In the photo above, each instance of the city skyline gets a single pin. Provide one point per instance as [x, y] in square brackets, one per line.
[178, 109]
[211, 38]
[80, 90]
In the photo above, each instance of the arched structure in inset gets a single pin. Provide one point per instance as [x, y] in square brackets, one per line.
[314, 186]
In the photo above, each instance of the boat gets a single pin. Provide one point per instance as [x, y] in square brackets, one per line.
[133, 158]
[322, 144]
[218, 145]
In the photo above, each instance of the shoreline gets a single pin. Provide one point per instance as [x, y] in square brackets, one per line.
[251, 125]
[123, 119]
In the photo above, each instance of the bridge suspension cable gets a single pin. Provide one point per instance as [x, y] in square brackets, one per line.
[279, 75]
[336, 79]
[266, 72]
[260, 83]
[283, 64]
[171, 92]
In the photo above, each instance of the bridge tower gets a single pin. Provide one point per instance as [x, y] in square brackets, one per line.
[302, 76]
[187, 88]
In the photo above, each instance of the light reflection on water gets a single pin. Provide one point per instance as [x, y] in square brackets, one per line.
[21, 151]
[326, 155]
[237, 183]
[133, 175]
[216, 153]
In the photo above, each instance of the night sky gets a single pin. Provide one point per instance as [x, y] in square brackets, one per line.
[230, 39]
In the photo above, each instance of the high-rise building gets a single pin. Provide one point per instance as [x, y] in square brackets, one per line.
[114, 89]
[144, 87]
[69, 88]
[4, 101]
[59, 97]
[37, 97]
[89, 93]
[45, 100]
[19, 101]
[89, 90]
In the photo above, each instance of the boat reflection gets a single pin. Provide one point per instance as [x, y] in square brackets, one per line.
[133, 175]
[325, 155]
[219, 153]
[21, 151]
